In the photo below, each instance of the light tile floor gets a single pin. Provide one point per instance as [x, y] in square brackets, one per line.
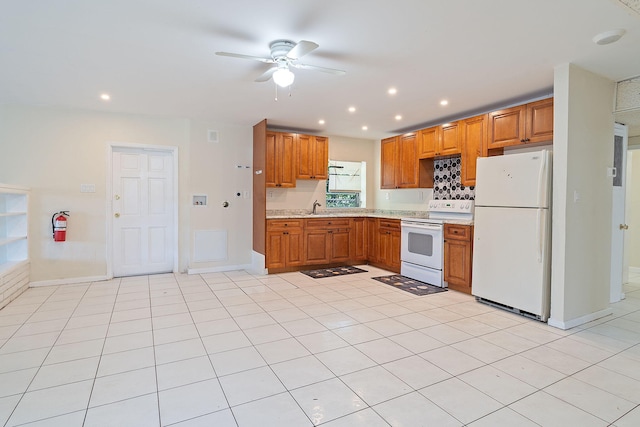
[232, 349]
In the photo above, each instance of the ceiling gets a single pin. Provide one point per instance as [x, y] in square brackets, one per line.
[156, 57]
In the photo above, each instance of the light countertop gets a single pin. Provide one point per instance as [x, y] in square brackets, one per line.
[352, 213]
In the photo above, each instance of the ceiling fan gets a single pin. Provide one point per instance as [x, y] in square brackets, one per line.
[284, 54]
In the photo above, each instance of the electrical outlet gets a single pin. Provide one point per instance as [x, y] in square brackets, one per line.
[270, 194]
[387, 196]
[247, 194]
[87, 188]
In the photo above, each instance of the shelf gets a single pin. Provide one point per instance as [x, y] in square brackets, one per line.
[9, 240]
[5, 214]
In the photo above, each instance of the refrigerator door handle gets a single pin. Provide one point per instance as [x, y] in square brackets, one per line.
[539, 231]
[541, 174]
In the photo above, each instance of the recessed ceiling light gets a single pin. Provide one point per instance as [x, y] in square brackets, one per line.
[365, 128]
[352, 109]
[608, 37]
[105, 97]
[392, 91]
[444, 102]
[321, 121]
[398, 117]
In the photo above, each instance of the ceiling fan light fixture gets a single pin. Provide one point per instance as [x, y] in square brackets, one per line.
[283, 77]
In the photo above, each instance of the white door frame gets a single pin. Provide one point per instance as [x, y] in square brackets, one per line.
[109, 195]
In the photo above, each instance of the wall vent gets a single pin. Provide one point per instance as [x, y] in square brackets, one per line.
[212, 136]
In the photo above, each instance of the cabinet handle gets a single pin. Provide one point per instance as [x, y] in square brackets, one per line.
[527, 140]
[522, 140]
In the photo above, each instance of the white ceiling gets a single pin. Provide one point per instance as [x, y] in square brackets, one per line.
[157, 57]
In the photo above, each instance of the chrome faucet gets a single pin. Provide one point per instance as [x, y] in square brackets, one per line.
[315, 205]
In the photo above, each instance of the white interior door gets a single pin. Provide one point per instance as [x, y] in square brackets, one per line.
[142, 211]
[618, 214]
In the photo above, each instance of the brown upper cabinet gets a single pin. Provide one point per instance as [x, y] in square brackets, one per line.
[443, 140]
[313, 157]
[524, 124]
[280, 170]
[473, 132]
[399, 164]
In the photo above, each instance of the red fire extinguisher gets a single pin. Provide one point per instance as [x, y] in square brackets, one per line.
[59, 224]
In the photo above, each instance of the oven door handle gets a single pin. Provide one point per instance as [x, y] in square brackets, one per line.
[422, 226]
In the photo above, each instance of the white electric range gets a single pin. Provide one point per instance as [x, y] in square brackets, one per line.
[422, 241]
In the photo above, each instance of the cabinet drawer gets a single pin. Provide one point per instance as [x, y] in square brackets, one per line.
[327, 222]
[457, 232]
[280, 224]
[393, 224]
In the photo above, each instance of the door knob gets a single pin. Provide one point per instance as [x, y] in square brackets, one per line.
[117, 197]
[117, 215]
[624, 227]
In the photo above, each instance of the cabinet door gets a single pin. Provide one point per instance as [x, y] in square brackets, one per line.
[407, 162]
[285, 156]
[313, 157]
[388, 148]
[428, 142]
[340, 245]
[457, 264]
[358, 239]
[305, 156]
[539, 123]
[506, 127]
[473, 135]
[449, 140]
[270, 157]
[372, 239]
[294, 247]
[321, 157]
[384, 247]
[276, 251]
[316, 247]
[394, 251]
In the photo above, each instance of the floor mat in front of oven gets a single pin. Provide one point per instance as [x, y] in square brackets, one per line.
[416, 287]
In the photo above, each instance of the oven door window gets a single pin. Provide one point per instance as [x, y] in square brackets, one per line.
[420, 244]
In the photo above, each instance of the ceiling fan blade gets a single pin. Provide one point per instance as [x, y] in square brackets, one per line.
[267, 74]
[301, 49]
[238, 55]
[316, 68]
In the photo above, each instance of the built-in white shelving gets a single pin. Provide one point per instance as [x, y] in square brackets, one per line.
[14, 243]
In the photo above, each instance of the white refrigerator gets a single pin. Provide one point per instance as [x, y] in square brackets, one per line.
[512, 232]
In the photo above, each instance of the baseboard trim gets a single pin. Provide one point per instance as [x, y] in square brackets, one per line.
[219, 269]
[69, 281]
[580, 320]
[635, 270]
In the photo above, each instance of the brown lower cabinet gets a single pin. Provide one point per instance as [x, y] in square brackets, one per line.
[295, 243]
[388, 244]
[284, 243]
[327, 241]
[458, 256]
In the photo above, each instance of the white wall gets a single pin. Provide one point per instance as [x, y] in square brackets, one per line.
[581, 241]
[633, 209]
[214, 172]
[307, 191]
[54, 150]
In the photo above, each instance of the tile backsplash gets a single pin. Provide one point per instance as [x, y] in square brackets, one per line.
[446, 180]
